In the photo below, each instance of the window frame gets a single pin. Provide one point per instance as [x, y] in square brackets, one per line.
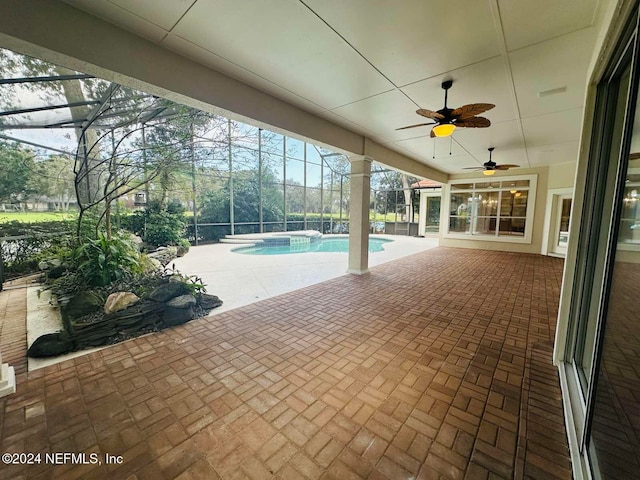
[496, 237]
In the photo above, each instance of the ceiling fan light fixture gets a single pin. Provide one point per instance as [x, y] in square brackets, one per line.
[488, 173]
[444, 129]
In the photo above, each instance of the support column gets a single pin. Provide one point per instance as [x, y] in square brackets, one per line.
[7, 379]
[359, 198]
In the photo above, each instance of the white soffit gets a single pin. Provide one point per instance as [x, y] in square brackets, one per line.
[484, 82]
[381, 111]
[502, 135]
[283, 42]
[456, 163]
[200, 55]
[554, 154]
[414, 39]
[526, 23]
[564, 62]
[164, 13]
[303, 52]
[553, 128]
[119, 16]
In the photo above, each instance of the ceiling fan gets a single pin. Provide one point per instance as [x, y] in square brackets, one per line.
[491, 167]
[447, 119]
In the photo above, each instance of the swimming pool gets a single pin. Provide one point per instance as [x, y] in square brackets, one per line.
[327, 245]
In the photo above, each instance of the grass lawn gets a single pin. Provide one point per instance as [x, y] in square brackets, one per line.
[31, 217]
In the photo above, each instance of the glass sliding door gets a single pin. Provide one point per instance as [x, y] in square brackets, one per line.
[617, 92]
[602, 362]
[615, 426]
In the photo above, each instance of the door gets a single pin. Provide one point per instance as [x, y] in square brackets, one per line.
[601, 369]
[433, 214]
[563, 214]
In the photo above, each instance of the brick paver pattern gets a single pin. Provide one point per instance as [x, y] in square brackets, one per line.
[437, 365]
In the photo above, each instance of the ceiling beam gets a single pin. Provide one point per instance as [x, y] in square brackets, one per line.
[88, 44]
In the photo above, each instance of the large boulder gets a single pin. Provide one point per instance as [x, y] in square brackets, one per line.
[50, 345]
[119, 301]
[167, 291]
[177, 316]
[164, 254]
[208, 302]
[183, 301]
[83, 304]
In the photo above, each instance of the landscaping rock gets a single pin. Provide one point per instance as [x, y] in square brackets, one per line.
[83, 304]
[164, 254]
[119, 301]
[49, 263]
[167, 291]
[168, 305]
[208, 302]
[56, 272]
[51, 345]
[155, 264]
[137, 241]
[181, 251]
[183, 301]
[177, 316]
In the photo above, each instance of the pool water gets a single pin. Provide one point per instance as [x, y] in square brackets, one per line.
[330, 245]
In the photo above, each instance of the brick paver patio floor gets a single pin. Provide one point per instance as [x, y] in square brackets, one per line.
[437, 365]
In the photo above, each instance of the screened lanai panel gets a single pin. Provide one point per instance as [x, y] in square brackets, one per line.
[244, 135]
[272, 168]
[313, 154]
[295, 148]
[272, 143]
[244, 158]
[295, 171]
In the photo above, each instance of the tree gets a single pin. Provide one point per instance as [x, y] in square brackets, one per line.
[53, 178]
[400, 182]
[74, 91]
[16, 167]
[216, 204]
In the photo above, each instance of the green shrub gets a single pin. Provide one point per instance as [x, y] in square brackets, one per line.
[102, 261]
[157, 226]
[29, 243]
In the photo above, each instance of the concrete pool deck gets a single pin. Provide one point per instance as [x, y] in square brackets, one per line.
[243, 279]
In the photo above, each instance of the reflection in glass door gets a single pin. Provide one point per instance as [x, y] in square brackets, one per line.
[594, 264]
[615, 428]
[603, 347]
[562, 224]
[597, 258]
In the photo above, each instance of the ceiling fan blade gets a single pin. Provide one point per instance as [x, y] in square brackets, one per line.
[432, 134]
[416, 125]
[506, 166]
[473, 122]
[471, 110]
[634, 156]
[429, 114]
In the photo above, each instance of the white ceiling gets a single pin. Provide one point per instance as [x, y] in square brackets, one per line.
[369, 64]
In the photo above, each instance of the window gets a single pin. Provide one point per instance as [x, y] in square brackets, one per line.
[500, 210]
